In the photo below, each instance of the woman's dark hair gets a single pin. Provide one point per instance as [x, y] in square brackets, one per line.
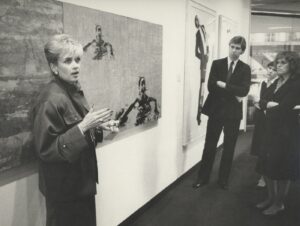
[292, 58]
[271, 64]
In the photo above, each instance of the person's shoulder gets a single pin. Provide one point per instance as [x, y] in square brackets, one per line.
[295, 81]
[220, 61]
[244, 67]
[243, 63]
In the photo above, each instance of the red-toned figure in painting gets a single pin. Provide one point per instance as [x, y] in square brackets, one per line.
[102, 48]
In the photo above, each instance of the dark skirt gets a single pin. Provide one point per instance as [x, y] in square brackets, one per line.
[81, 212]
[279, 158]
[258, 132]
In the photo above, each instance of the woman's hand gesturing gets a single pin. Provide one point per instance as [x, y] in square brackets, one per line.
[94, 119]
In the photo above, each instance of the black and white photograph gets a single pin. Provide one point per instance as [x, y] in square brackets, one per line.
[149, 113]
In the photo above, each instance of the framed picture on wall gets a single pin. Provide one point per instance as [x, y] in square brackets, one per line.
[200, 50]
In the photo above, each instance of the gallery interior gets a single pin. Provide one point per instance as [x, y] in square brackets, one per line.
[146, 171]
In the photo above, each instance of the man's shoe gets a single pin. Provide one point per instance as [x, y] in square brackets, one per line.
[273, 210]
[264, 204]
[199, 184]
[223, 185]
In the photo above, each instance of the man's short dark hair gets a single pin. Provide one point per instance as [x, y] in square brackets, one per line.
[239, 40]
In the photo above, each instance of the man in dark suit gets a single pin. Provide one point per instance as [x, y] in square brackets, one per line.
[228, 82]
[201, 52]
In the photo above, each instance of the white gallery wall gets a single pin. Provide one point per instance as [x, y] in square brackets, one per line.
[134, 169]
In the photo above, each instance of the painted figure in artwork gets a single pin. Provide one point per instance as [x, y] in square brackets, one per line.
[201, 52]
[143, 105]
[102, 48]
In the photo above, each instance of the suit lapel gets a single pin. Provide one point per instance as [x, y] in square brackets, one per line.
[284, 87]
[224, 69]
[236, 70]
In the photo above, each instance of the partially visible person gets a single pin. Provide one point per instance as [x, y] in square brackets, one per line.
[66, 132]
[279, 162]
[228, 82]
[260, 117]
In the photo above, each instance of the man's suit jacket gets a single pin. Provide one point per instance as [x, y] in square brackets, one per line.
[67, 158]
[222, 103]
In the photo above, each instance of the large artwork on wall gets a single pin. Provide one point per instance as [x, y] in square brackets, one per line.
[121, 68]
[122, 64]
[25, 26]
[200, 51]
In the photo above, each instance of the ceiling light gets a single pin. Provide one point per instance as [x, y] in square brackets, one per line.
[276, 28]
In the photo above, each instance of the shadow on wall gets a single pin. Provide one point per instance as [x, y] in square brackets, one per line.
[29, 206]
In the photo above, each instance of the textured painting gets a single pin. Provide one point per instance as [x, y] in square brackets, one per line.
[122, 64]
[121, 67]
[200, 51]
[25, 26]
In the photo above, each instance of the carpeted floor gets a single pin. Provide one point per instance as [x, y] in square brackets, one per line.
[211, 206]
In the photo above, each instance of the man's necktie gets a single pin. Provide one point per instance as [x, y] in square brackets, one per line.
[229, 71]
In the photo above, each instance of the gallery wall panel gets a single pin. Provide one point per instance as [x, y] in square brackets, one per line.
[121, 68]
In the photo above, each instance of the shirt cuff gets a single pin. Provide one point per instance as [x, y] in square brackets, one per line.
[80, 130]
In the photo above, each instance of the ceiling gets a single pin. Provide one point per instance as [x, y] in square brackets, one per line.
[292, 6]
[272, 1]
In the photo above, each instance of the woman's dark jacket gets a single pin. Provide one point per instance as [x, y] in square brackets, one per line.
[67, 158]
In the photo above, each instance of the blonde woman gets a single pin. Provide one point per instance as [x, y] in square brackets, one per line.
[66, 132]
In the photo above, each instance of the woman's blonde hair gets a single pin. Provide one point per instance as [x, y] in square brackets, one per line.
[61, 44]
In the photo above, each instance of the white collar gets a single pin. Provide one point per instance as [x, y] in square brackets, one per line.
[234, 61]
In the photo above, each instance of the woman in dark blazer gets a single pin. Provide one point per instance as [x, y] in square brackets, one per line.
[260, 117]
[279, 160]
[66, 132]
